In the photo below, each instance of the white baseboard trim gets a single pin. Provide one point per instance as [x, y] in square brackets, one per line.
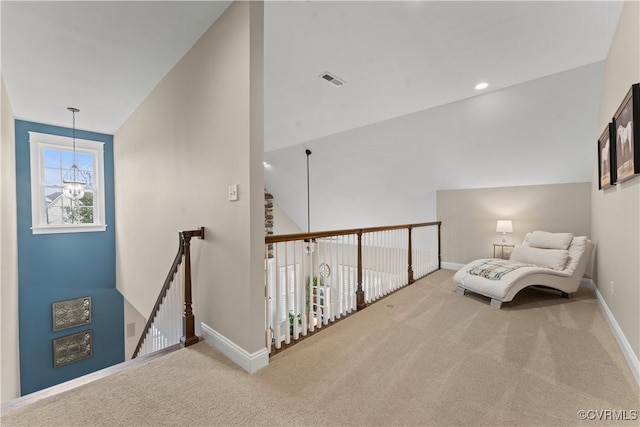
[627, 351]
[250, 362]
[451, 265]
[588, 283]
[54, 390]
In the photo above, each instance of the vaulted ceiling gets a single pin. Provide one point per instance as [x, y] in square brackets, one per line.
[395, 57]
[407, 121]
[401, 57]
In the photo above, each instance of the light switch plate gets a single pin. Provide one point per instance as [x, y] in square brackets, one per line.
[233, 192]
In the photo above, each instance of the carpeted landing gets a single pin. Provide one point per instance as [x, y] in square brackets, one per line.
[423, 356]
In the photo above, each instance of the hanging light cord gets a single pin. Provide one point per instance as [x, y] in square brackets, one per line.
[75, 156]
[308, 197]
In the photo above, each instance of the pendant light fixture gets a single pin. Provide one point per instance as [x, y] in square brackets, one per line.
[310, 244]
[73, 182]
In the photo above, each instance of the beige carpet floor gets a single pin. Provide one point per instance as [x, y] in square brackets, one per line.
[423, 356]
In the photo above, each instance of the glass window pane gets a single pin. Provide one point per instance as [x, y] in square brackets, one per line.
[53, 206]
[87, 199]
[51, 158]
[85, 215]
[52, 176]
[53, 168]
[66, 159]
[85, 161]
[51, 193]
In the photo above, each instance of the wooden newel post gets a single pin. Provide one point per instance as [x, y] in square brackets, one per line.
[189, 336]
[360, 303]
[410, 262]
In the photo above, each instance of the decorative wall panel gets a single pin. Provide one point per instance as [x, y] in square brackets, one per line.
[70, 313]
[71, 348]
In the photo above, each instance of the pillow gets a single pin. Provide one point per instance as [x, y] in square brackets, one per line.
[555, 259]
[545, 240]
[577, 248]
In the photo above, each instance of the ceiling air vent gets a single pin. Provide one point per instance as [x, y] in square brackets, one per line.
[332, 79]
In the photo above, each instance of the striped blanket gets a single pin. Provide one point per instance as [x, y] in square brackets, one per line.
[494, 269]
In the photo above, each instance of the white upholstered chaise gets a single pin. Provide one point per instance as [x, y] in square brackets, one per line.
[530, 265]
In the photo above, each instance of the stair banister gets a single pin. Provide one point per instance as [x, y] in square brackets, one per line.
[188, 321]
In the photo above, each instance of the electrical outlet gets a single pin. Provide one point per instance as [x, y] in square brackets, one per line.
[612, 287]
[131, 330]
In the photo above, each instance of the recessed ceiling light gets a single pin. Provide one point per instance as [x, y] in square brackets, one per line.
[266, 165]
[482, 85]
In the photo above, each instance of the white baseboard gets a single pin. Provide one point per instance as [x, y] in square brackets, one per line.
[588, 283]
[250, 362]
[627, 351]
[57, 389]
[451, 265]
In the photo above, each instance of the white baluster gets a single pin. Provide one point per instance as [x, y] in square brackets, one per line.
[287, 327]
[374, 267]
[387, 261]
[305, 291]
[333, 277]
[366, 267]
[296, 294]
[341, 276]
[267, 298]
[278, 335]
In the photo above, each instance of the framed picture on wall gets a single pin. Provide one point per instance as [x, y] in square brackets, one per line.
[606, 158]
[626, 122]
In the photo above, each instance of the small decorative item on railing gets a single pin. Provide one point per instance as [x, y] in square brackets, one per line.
[168, 323]
[347, 270]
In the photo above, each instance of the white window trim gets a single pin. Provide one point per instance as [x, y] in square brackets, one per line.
[39, 142]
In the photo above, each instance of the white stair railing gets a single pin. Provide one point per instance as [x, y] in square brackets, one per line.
[166, 328]
[313, 279]
[171, 320]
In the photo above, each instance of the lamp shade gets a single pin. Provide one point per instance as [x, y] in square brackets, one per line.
[504, 226]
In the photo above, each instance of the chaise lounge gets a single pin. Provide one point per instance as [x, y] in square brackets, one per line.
[551, 260]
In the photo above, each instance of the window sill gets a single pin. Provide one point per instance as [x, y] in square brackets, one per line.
[79, 228]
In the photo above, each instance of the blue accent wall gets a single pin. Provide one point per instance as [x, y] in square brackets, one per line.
[56, 267]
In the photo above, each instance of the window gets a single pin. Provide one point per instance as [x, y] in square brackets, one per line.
[51, 161]
[289, 275]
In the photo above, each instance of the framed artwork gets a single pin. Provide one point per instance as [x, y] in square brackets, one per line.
[626, 124]
[606, 158]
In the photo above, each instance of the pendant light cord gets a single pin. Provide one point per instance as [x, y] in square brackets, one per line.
[75, 156]
[308, 152]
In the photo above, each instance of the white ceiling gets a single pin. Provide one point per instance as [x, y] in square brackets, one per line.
[402, 57]
[396, 57]
[103, 57]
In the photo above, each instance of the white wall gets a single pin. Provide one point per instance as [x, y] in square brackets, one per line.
[282, 223]
[469, 216]
[135, 323]
[10, 370]
[616, 211]
[530, 134]
[199, 131]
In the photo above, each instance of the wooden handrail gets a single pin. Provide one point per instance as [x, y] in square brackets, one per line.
[320, 234]
[183, 248]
